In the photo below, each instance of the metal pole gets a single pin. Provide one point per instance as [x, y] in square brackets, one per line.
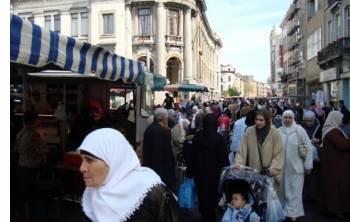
[24, 95]
[148, 59]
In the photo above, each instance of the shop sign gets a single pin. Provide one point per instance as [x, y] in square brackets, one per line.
[330, 74]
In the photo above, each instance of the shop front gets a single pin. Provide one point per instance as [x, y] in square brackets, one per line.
[330, 80]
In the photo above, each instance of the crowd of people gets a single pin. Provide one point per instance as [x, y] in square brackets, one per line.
[306, 152]
[284, 141]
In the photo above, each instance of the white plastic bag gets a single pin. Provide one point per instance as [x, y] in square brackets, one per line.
[274, 209]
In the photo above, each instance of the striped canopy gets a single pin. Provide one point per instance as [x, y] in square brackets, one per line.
[35, 48]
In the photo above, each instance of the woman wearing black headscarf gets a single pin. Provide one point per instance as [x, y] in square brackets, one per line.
[262, 148]
[209, 156]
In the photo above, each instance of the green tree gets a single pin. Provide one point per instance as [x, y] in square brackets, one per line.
[248, 88]
[232, 91]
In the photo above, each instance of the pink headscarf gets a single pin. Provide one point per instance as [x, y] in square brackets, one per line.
[318, 109]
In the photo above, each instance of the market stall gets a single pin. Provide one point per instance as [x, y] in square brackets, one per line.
[74, 68]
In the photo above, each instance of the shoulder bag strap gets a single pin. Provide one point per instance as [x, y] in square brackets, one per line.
[313, 135]
[259, 147]
[299, 141]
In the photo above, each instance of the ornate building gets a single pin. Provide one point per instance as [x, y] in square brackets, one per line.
[173, 36]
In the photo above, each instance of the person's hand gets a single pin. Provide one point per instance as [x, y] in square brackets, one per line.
[314, 140]
[255, 220]
[269, 173]
[307, 172]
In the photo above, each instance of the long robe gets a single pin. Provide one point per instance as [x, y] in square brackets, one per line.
[205, 163]
[272, 153]
[158, 154]
[294, 171]
[311, 182]
[335, 173]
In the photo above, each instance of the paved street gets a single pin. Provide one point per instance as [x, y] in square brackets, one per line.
[71, 212]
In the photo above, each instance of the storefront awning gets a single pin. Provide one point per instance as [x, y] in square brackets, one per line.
[184, 88]
[34, 48]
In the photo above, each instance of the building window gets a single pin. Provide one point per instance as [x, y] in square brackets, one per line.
[329, 31]
[74, 24]
[84, 24]
[80, 24]
[174, 22]
[108, 24]
[311, 7]
[144, 17]
[229, 78]
[48, 21]
[31, 19]
[337, 27]
[346, 22]
[57, 23]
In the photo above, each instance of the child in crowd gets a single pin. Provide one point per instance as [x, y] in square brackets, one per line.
[240, 209]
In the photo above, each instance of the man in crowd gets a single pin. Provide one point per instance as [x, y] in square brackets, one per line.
[168, 101]
[157, 151]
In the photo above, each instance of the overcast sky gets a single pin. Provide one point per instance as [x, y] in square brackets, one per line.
[244, 28]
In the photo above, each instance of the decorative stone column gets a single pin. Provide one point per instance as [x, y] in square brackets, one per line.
[188, 45]
[128, 31]
[160, 41]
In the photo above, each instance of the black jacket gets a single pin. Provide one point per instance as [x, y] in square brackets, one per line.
[158, 206]
[158, 153]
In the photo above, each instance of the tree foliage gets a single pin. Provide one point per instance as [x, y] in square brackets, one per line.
[232, 91]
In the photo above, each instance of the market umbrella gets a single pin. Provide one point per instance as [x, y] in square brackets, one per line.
[185, 88]
[34, 48]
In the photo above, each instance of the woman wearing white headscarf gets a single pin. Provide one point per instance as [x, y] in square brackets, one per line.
[295, 167]
[193, 119]
[335, 167]
[314, 131]
[117, 187]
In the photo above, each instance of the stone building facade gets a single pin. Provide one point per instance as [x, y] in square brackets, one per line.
[174, 37]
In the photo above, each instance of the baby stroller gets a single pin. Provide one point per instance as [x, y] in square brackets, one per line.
[245, 180]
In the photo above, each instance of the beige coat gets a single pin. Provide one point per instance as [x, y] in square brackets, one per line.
[272, 153]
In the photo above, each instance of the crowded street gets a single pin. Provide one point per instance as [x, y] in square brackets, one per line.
[179, 111]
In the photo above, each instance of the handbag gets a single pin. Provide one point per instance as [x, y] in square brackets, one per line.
[301, 148]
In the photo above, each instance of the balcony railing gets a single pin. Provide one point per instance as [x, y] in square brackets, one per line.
[146, 38]
[334, 50]
[174, 40]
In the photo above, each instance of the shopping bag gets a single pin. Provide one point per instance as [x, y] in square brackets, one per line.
[274, 209]
[187, 194]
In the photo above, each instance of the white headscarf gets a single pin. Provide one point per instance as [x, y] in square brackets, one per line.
[293, 127]
[126, 184]
[183, 123]
[208, 110]
[193, 122]
[333, 121]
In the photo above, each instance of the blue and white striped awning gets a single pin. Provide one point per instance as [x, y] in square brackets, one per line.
[35, 46]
